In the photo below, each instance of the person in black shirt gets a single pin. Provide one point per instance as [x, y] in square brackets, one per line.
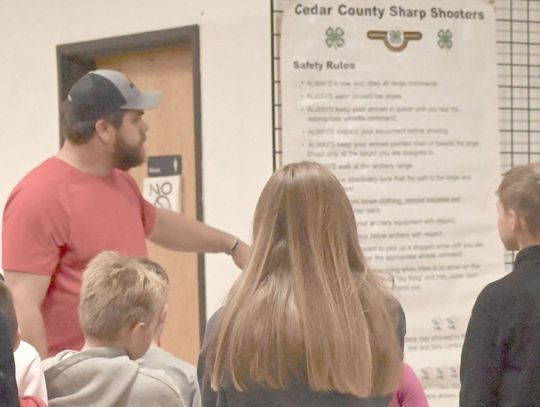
[500, 361]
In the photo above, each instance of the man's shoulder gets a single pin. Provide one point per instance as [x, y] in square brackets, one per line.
[40, 194]
[50, 169]
[42, 180]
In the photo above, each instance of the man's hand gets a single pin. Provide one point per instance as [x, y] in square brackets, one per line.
[241, 255]
[174, 231]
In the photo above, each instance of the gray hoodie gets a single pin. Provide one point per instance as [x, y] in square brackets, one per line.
[182, 373]
[106, 377]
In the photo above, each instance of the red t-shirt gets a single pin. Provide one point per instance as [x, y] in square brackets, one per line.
[56, 220]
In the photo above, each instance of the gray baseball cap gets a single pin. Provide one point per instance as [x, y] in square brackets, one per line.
[105, 91]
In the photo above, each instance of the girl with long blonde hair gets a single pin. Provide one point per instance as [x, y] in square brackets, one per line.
[307, 323]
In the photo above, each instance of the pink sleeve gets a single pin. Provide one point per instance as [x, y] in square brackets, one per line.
[35, 229]
[410, 392]
[31, 401]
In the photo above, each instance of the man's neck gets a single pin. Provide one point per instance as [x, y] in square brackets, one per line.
[87, 157]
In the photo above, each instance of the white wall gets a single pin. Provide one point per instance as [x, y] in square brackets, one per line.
[236, 95]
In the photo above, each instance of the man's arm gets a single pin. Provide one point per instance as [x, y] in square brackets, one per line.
[177, 232]
[28, 293]
[481, 358]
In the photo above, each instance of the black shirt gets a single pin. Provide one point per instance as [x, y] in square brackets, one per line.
[9, 396]
[500, 361]
[298, 394]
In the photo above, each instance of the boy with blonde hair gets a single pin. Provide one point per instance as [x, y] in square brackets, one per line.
[500, 361]
[118, 311]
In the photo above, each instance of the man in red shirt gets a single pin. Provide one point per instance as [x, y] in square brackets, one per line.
[81, 202]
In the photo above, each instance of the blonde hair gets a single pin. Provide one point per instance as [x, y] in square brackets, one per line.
[155, 268]
[520, 190]
[307, 307]
[118, 292]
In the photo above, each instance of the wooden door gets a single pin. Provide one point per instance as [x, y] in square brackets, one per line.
[171, 132]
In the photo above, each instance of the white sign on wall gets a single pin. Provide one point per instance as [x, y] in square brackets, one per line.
[399, 99]
[163, 192]
[163, 187]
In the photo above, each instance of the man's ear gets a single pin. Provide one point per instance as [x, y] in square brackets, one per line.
[105, 131]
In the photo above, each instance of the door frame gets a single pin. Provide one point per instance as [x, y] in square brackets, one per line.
[76, 59]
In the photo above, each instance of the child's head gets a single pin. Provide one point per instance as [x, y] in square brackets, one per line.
[120, 302]
[304, 207]
[162, 274]
[7, 309]
[519, 204]
[307, 306]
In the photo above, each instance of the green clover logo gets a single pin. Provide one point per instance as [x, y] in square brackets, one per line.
[394, 37]
[334, 37]
[445, 39]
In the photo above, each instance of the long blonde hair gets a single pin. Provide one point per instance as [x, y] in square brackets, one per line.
[307, 308]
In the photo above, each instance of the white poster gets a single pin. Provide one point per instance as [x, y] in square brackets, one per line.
[399, 99]
[164, 192]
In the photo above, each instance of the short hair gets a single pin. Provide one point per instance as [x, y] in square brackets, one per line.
[155, 268]
[520, 191]
[7, 309]
[118, 292]
[81, 132]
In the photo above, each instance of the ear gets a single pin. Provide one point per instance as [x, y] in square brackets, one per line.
[516, 221]
[135, 338]
[162, 317]
[163, 314]
[521, 226]
[138, 329]
[105, 131]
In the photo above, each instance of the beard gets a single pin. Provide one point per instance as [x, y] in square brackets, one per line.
[126, 156]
